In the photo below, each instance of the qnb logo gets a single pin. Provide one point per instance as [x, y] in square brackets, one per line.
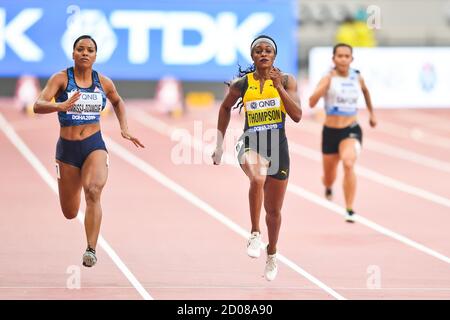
[267, 103]
[89, 96]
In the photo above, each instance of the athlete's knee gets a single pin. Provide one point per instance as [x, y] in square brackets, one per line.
[348, 164]
[257, 181]
[93, 192]
[273, 213]
[70, 213]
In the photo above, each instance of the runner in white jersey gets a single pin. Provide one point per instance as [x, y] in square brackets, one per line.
[341, 134]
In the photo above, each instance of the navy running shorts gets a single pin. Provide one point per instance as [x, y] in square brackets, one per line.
[75, 152]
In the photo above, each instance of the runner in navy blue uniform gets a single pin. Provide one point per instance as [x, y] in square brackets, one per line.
[80, 95]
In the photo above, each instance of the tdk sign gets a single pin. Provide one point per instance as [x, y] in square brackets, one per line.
[202, 42]
[13, 35]
[220, 37]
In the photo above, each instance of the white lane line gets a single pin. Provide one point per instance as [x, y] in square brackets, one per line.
[241, 288]
[387, 150]
[166, 129]
[361, 219]
[420, 119]
[376, 177]
[196, 201]
[163, 128]
[414, 133]
[50, 180]
[407, 155]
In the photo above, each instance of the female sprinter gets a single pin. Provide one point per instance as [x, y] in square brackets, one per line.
[267, 96]
[341, 134]
[81, 157]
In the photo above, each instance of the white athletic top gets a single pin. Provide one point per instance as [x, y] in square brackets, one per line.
[342, 96]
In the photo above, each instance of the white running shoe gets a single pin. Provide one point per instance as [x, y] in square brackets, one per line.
[329, 194]
[254, 245]
[89, 258]
[350, 217]
[271, 270]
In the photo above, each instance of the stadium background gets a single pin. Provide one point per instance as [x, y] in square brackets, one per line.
[167, 235]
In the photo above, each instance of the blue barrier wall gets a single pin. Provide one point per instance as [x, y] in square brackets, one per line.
[145, 40]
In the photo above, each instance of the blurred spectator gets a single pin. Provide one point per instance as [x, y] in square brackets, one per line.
[169, 96]
[355, 32]
[27, 91]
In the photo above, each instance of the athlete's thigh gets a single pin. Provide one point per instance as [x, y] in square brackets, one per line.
[69, 185]
[95, 169]
[274, 191]
[330, 161]
[253, 164]
[349, 149]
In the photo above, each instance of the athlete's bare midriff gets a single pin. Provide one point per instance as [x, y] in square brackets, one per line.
[339, 122]
[79, 132]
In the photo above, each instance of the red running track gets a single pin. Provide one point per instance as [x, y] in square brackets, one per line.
[179, 229]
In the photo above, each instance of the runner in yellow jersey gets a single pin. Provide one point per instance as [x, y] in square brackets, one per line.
[267, 95]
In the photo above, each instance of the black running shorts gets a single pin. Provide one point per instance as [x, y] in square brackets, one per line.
[269, 146]
[332, 137]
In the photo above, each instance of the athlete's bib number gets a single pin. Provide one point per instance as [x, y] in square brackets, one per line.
[89, 104]
[261, 113]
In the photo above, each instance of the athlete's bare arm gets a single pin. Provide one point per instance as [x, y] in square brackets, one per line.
[55, 84]
[320, 91]
[119, 109]
[365, 91]
[229, 101]
[225, 108]
[286, 85]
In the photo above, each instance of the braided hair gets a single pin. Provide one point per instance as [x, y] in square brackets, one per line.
[242, 72]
